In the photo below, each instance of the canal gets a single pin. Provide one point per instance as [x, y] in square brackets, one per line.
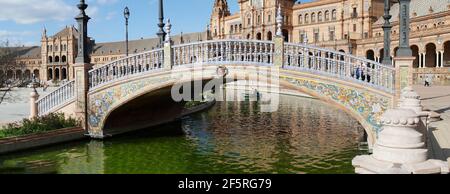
[303, 136]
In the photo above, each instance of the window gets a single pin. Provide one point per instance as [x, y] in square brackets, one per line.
[313, 17]
[333, 14]
[355, 13]
[327, 15]
[331, 35]
[354, 27]
[269, 18]
[319, 17]
[300, 19]
[306, 18]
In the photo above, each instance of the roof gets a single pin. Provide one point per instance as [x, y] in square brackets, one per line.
[137, 46]
[33, 52]
[66, 32]
[418, 8]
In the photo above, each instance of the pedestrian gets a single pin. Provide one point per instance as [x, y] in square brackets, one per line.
[428, 81]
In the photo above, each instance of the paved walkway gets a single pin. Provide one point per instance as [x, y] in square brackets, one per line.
[437, 99]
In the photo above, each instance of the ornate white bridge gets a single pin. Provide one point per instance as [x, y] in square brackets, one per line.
[362, 88]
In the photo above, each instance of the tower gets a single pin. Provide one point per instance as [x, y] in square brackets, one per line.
[217, 26]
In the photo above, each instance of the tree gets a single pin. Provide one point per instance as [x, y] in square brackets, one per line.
[8, 63]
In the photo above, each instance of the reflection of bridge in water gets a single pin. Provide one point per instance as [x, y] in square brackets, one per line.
[142, 82]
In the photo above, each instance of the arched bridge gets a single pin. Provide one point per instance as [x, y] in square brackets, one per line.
[120, 92]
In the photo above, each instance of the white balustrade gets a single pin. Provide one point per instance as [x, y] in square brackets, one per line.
[340, 65]
[124, 68]
[224, 51]
[56, 98]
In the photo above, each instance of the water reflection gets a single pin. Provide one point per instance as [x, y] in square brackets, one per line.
[304, 136]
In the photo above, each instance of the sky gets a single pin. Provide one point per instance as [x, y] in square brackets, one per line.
[22, 21]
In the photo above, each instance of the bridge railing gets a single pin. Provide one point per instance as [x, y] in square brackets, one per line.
[224, 51]
[56, 98]
[124, 68]
[347, 67]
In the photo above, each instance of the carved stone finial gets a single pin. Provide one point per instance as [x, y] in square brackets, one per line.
[168, 29]
[279, 21]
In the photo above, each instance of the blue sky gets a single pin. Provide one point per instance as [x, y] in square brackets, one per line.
[22, 21]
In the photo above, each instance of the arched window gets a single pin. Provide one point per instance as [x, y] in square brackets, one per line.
[64, 59]
[56, 59]
[333, 14]
[231, 29]
[327, 15]
[319, 17]
[313, 17]
[306, 18]
[300, 19]
[50, 59]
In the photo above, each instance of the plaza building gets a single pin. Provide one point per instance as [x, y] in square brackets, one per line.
[349, 26]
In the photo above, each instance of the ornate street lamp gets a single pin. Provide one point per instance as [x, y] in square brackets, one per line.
[404, 49]
[126, 14]
[161, 33]
[387, 27]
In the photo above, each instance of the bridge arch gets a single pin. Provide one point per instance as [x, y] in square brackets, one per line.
[106, 101]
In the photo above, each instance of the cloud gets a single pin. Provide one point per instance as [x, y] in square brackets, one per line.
[34, 11]
[111, 15]
[16, 38]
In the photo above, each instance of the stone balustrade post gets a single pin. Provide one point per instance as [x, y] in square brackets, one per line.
[34, 110]
[168, 56]
[403, 75]
[279, 51]
[81, 92]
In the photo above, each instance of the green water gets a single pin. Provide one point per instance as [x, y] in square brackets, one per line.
[303, 136]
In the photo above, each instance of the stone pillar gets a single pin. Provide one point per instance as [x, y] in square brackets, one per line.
[442, 58]
[168, 51]
[82, 88]
[279, 51]
[420, 60]
[278, 58]
[437, 59]
[168, 56]
[34, 111]
[403, 75]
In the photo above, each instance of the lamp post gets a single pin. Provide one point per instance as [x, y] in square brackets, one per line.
[387, 60]
[126, 14]
[161, 33]
[404, 49]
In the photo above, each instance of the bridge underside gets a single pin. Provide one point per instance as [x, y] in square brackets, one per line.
[148, 110]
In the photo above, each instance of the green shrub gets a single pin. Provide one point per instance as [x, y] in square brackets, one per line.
[42, 124]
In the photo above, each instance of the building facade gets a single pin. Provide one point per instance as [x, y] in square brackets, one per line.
[349, 26]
